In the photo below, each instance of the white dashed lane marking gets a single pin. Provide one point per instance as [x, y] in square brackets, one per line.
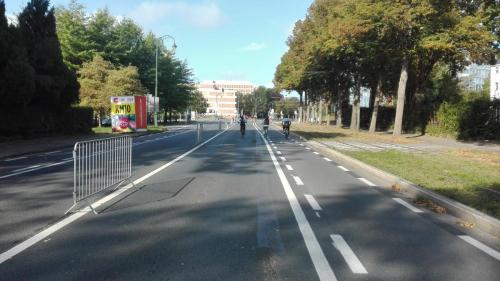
[289, 168]
[312, 201]
[327, 159]
[369, 183]
[407, 205]
[487, 250]
[351, 259]
[297, 180]
[343, 168]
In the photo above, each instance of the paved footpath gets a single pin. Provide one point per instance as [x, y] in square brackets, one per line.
[250, 208]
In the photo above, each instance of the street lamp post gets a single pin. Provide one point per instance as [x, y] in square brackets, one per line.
[174, 46]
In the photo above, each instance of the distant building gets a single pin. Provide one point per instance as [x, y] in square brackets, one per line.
[474, 76]
[221, 96]
[243, 87]
[495, 82]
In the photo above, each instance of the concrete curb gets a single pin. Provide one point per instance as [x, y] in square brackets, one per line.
[481, 220]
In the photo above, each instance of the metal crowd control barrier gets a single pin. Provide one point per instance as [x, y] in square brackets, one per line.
[99, 165]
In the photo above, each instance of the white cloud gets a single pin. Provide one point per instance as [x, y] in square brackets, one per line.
[253, 47]
[205, 15]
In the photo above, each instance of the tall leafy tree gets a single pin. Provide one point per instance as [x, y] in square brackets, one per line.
[56, 85]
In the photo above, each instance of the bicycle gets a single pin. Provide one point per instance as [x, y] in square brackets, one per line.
[286, 132]
[242, 130]
[266, 128]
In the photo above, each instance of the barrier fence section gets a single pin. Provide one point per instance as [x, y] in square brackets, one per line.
[99, 165]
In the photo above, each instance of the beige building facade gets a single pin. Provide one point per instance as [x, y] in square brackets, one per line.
[221, 96]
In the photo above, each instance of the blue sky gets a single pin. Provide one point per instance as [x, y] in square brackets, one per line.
[220, 39]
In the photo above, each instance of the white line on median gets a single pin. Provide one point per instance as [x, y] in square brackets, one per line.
[369, 183]
[489, 251]
[323, 269]
[343, 168]
[297, 180]
[407, 205]
[27, 168]
[312, 201]
[327, 159]
[351, 259]
[289, 168]
[14, 159]
[80, 213]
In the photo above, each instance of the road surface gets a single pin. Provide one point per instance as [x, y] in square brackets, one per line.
[234, 208]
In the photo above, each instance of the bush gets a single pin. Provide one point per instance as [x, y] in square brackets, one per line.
[77, 120]
[472, 118]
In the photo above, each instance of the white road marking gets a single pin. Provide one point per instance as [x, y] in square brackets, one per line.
[318, 215]
[349, 256]
[278, 152]
[14, 159]
[289, 168]
[369, 183]
[327, 159]
[301, 144]
[308, 148]
[27, 168]
[312, 201]
[52, 152]
[323, 269]
[317, 153]
[297, 180]
[80, 213]
[487, 250]
[283, 159]
[343, 168]
[407, 205]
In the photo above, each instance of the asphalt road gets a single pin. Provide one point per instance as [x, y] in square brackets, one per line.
[235, 208]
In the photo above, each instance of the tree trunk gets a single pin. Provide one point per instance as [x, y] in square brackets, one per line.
[376, 102]
[403, 79]
[339, 113]
[328, 106]
[320, 114]
[356, 107]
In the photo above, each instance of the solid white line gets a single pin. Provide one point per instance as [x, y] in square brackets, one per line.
[27, 168]
[317, 153]
[369, 183]
[349, 256]
[289, 168]
[489, 251]
[323, 269]
[52, 152]
[327, 159]
[34, 169]
[343, 168]
[312, 201]
[297, 180]
[278, 152]
[14, 159]
[283, 158]
[407, 205]
[42, 235]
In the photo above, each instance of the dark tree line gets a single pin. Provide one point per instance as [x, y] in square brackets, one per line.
[37, 90]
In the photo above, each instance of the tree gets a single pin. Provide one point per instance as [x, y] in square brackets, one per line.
[73, 35]
[198, 103]
[55, 85]
[93, 77]
[124, 81]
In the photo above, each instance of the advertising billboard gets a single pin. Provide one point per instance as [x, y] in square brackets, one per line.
[128, 114]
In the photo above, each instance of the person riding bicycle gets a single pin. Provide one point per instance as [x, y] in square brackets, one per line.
[242, 124]
[266, 124]
[286, 123]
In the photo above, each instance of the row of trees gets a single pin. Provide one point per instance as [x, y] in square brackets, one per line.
[402, 50]
[115, 57]
[37, 90]
[259, 102]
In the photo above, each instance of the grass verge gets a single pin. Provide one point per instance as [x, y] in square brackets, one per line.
[107, 130]
[469, 180]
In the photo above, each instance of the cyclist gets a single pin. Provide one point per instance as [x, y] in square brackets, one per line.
[242, 125]
[266, 125]
[286, 123]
